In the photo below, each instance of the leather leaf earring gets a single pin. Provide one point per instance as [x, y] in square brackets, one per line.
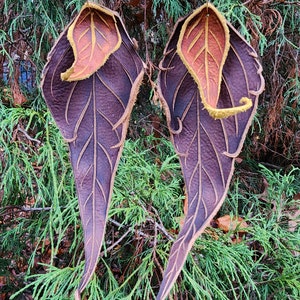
[209, 84]
[90, 84]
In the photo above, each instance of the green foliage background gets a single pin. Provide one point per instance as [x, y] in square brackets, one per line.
[41, 247]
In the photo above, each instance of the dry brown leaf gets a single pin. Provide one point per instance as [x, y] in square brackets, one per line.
[18, 97]
[296, 196]
[229, 223]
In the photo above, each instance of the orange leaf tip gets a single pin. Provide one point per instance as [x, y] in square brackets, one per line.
[203, 46]
[93, 36]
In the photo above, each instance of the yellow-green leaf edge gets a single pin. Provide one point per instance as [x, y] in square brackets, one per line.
[65, 76]
[216, 113]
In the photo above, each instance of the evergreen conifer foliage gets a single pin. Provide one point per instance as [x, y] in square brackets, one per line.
[41, 235]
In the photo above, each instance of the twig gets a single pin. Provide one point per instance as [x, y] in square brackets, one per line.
[27, 209]
[122, 226]
[161, 228]
[27, 135]
[154, 251]
[116, 243]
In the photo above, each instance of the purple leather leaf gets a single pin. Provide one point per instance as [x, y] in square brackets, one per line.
[206, 147]
[92, 115]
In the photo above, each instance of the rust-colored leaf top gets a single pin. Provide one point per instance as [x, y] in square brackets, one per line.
[203, 47]
[93, 36]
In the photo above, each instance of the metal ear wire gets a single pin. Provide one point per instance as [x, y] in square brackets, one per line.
[207, 13]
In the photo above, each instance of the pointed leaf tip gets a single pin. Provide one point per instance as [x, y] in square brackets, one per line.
[94, 36]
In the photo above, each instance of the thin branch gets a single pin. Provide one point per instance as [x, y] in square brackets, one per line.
[26, 209]
[27, 135]
[154, 252]
[161, 228]
[122, 226]
[160, 225]
[111, 247]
